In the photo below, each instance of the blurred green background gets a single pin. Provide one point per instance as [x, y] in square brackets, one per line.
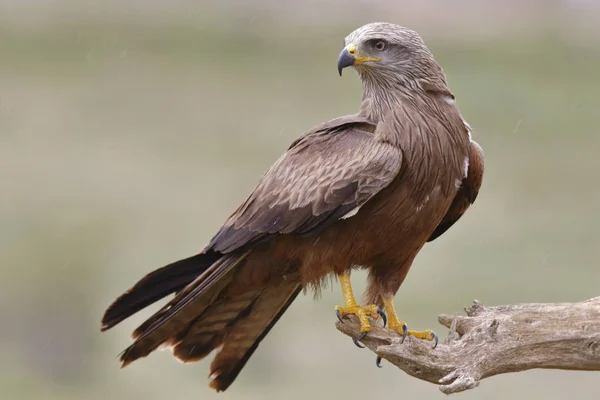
[129, 130]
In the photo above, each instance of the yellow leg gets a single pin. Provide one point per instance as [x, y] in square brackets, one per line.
[350, 306]
[400, 326]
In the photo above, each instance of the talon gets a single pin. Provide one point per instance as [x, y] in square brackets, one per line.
[383, 316]
[339, 315]
[360, 337]
[378, 362]
[404, 332]
[435, 339]
[363, 313]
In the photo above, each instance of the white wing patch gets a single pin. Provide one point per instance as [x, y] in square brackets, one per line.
[450, 100]
[351, 213]
[466, 166]
[420, 207]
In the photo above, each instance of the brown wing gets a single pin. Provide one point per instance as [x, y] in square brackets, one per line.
[322, 177]
[467, 193]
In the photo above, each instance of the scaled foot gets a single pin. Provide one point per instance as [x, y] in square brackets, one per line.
[362, 312]
[400, 326]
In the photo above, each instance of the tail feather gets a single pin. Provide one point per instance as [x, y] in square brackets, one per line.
[214, 309]
[170, 323]
[244, 336]
[156, 285]
[208, 331]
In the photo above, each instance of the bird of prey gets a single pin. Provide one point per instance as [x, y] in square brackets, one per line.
[361, 191]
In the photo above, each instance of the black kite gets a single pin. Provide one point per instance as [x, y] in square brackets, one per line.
[360, 191]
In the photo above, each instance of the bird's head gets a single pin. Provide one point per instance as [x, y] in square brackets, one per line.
[386, 53]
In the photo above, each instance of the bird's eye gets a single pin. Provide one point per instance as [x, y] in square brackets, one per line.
[380, 45]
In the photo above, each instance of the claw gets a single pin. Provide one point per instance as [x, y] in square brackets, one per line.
[404, 332]
[378, 362]
[435, 339]
[383, 316]
[339, 315]
[360, 337]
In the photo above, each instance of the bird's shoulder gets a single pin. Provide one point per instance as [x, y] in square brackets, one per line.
[354, 122]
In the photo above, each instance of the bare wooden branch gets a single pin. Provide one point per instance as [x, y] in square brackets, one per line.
[494, 340]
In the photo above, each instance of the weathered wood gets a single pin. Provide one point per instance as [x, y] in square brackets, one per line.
[494, 340]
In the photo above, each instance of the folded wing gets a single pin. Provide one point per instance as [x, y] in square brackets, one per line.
[323, 176]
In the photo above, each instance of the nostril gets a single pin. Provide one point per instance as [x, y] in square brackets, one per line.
[352, 51]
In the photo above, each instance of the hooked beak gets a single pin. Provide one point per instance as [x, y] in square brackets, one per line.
[346, 58]
[349, 57]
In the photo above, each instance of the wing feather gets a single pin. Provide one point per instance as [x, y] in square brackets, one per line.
[323, 176]
[467, 193]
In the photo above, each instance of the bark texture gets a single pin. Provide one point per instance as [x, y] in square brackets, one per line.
[494, 340]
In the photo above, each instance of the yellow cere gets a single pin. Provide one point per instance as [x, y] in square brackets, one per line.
[351, 48]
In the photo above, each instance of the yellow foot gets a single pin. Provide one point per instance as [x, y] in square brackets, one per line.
[401, 328]
[363, 313]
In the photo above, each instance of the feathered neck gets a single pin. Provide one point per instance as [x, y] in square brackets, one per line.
[383, 93]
